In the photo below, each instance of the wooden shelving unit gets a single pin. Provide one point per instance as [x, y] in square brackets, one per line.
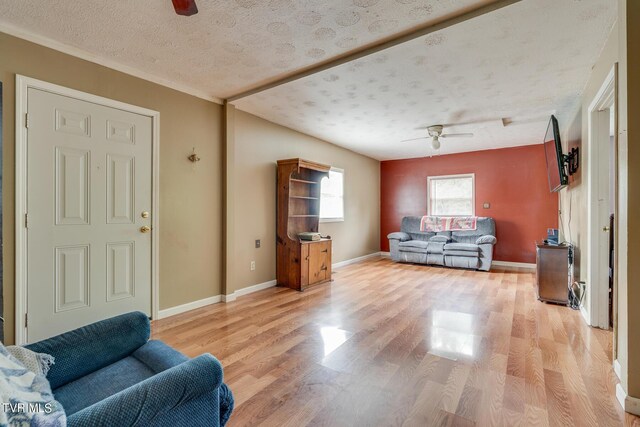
[300, 264]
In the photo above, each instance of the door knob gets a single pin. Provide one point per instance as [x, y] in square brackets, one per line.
[144, 214]
[145, 229]
[606, 228]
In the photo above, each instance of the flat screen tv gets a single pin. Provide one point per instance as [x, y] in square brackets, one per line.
[555, 159]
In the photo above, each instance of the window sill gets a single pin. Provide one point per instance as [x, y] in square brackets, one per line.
[331, 220]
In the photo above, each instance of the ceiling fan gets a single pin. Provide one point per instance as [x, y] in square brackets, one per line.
[185, 7]
[435, 133]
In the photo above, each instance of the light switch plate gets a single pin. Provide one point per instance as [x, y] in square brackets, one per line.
[253, 266]
[257, 243]
[486, 205]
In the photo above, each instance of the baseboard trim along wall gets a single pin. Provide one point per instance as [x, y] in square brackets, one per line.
[168, 312]
[255, 288]
[617, 369]
[494, 262]
[355, 260]
[513, 264]
[628, 403]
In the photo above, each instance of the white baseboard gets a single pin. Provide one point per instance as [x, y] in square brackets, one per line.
[513, 264]
[167, 312]
[617, 369]
[585, 315]
[229, 297]
[385, 254]
[255, 288]
[354, 260]
[628, 403]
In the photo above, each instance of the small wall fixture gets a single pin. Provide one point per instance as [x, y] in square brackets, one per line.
[193, 157]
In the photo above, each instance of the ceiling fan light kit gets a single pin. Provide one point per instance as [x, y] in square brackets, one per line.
[435, 143]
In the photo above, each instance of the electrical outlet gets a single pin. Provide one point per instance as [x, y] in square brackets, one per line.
[486, 205]
[253, 266]
[257, 243]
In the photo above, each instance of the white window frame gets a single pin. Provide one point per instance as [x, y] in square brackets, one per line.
[442, 177]
[322, 220]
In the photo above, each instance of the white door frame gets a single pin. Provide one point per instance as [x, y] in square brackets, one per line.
[607, 97]
[22, 85]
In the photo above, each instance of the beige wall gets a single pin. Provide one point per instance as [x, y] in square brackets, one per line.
[629, 194]
[573, 199]
[190, 195]
[623, 47]
[258, 145]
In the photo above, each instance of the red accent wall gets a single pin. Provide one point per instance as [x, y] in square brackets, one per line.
[512, 180]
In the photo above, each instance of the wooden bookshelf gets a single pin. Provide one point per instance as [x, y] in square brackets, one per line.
[300, 264]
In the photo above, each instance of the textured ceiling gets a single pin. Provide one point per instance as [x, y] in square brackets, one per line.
[230, 45]
[521, 63]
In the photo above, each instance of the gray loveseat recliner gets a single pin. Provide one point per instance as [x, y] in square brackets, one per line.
[465, 249]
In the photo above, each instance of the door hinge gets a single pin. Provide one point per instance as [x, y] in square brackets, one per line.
[26, 120]
[26, 220]
[26, 320]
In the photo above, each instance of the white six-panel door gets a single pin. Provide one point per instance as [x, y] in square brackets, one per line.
[89, 195]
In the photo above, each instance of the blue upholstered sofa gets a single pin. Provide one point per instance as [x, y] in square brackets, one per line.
[110, 374]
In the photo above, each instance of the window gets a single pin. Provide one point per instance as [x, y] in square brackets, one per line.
[332, 197]
[452, 195]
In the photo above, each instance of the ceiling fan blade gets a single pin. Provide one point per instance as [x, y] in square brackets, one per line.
[457, 135]
[185, 7]
[508, 121]
[474, 122]
[414, 139]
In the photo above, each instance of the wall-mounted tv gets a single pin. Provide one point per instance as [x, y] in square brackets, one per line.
[555, 159]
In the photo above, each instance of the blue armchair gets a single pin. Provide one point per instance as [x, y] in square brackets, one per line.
[110, 374]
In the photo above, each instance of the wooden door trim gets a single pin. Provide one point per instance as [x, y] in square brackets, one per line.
[23, 84]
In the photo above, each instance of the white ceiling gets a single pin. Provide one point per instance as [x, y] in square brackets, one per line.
[522, 62]
[230, 45]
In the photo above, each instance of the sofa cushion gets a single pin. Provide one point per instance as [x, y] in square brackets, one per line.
[462, 253]
[440, 238]
[98, 385]
[150, 359]
[467, 247]
[436, 247]
[420, 244]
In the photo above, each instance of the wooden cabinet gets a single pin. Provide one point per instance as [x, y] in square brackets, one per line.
[316, 262]
[552, 273]
[300, 264]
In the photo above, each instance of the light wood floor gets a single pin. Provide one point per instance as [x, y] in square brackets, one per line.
[392, 344]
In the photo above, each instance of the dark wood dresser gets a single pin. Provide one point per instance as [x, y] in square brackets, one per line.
[552, 273]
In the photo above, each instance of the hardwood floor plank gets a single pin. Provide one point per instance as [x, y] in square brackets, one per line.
[390, 344]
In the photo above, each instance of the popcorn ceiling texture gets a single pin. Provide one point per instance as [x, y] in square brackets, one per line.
[523, 63]
[230, 45]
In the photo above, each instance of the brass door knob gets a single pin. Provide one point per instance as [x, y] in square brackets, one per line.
[606, 229]
[145, 229]
[144, 214]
